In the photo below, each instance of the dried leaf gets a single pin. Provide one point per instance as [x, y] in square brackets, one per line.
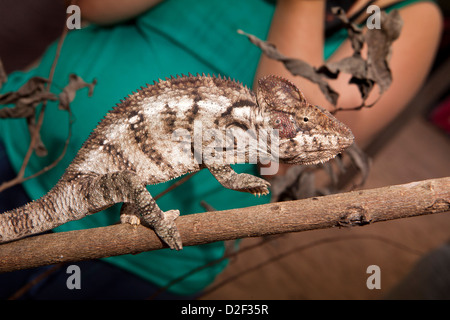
[354, 65]
[354, 32]
[379, 43]
[69, 91]
[25, 101]
[279, 184]
[332, 174]
[365, 73]
[295, 66]
[25, 105]
[365, 86]
[362, 162]
[31, 94]
[305, 186]
[299, 181]
[32, 86]
[374, 70]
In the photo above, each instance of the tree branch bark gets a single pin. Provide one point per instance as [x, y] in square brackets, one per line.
[345, 209]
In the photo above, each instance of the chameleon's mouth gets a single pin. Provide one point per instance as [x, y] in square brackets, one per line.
[308, 162]
[312, 157]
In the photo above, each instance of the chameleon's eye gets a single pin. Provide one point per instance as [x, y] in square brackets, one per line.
[305, 119]
[277, 121]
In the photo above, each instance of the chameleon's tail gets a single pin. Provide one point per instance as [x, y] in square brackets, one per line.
[46, 213]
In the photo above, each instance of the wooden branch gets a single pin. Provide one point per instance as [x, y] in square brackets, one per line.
[345, 209]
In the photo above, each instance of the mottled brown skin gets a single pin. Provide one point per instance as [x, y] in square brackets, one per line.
[135, 145]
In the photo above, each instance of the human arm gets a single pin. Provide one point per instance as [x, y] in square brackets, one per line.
[106, 12]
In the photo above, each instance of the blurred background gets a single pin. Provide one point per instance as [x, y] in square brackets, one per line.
[413, 254]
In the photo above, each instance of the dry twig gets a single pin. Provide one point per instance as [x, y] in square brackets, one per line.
[346, 209]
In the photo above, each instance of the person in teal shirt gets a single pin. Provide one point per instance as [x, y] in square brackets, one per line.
[151, 40]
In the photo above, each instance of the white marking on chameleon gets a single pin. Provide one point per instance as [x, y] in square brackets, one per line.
[134, 119]
[116, 132]
[181, 105]
[214, 104]
[242, 113]
[153, 106]
[95, 162]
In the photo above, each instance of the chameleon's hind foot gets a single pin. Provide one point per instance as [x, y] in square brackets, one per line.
[163, 223]
[167, 230]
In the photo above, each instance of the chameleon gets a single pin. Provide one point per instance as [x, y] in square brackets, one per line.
[138, 143]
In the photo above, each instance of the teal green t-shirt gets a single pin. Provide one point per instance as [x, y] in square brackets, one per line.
[175, 37]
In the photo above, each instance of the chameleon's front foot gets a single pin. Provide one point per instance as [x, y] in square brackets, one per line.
[254, 185]
[243, 182]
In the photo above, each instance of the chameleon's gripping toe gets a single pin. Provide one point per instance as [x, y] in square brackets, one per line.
[167, 230]
[165, 227]
[254, 185]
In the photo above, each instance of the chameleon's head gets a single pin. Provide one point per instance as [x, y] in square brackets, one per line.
[307, 134]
